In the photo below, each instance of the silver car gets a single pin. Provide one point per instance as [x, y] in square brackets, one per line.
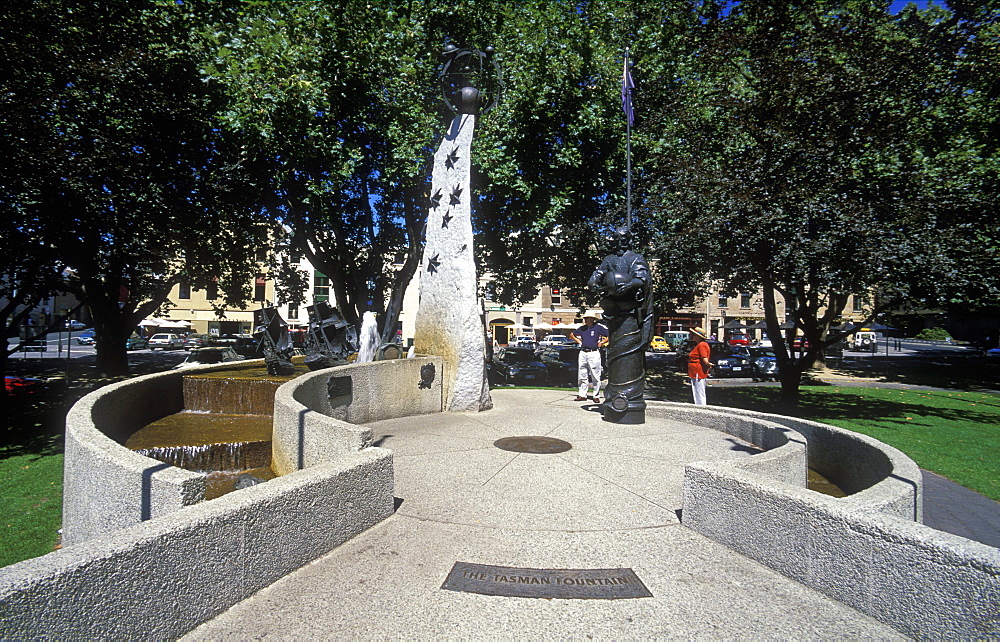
[165, 341]
[205, 356]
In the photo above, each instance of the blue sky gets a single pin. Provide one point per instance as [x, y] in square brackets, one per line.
[898, 5]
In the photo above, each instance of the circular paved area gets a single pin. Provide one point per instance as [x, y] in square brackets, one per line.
[610, 501]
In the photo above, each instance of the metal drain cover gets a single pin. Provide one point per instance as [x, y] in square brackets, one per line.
[534, 445]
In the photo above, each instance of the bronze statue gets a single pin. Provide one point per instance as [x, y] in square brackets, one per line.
[623, 282]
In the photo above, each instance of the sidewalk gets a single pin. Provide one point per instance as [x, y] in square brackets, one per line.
[609, 502]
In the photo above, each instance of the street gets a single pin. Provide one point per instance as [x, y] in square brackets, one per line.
[896, 361]
[64, 358]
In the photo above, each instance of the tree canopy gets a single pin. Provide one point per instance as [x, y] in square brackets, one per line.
[818, 150]
[827, 149]
[339, 109]
[115, 146]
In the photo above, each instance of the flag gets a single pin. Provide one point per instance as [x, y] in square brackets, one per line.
[627, 87]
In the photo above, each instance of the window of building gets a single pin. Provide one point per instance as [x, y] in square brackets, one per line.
[857, 303]
[212, 291]
[184, 291]
[293, 311]
[259, 288]
[321, 287]
[723, 301]
[556, 296]
[745, 300]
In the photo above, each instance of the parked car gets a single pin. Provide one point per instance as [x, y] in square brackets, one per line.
[246, 345]
[738, 339]
[675, 338]
[563, 364]
[556, 340]
[727, 362]
[165, 341]
[73, 324]
[23, 386]
[86, 338]
[993, 353]
[522, 342]
[205, 356]
[135, 342]
[864, 341]
[659, 344]
[517, 366]
[197, 341]
[764, 362]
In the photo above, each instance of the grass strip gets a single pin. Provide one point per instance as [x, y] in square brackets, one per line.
[30, 505]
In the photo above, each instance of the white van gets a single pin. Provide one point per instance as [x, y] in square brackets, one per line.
[675, 337]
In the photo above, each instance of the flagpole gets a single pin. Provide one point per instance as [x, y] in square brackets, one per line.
[626, 81]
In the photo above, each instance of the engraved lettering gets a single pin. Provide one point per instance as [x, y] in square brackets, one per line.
[545, 583]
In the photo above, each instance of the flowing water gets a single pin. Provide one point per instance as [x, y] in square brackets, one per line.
[224, 429]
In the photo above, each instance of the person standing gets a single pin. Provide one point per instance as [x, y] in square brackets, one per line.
[591, 337]
[698, 364]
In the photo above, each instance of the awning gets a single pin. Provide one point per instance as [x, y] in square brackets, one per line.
[164, 323]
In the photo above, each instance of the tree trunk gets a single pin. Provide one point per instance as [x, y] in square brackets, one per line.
[790, 379]
[111, 331]
[115, 321]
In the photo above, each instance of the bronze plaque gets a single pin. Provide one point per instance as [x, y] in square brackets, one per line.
[534, 445]
[566, 583]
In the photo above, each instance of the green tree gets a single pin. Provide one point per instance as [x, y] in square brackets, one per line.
[114, 145]
[29, 273]
[339, 110]
[826, 149]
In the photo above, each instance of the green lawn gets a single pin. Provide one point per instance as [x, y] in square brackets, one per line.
[30, 505]
[955, 434]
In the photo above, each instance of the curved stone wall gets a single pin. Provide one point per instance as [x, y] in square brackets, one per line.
[139, 567]
[319, 415]
[867, 550]
[106, 486]
[876, 476]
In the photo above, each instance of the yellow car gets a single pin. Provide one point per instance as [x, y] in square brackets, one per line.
[659, 344]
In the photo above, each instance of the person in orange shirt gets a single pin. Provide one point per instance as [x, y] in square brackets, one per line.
[698, 364]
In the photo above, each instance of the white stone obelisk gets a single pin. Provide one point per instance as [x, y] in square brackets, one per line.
[449, 322]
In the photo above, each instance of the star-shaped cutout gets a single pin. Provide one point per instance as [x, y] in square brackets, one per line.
[446, 219]
[436, 200]
[455, 195]
[432, 265]
[451, 159]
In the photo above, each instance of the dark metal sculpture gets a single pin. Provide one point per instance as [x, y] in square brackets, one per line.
[623, 282]
[330, 339]
[271, 333]
[471, 82]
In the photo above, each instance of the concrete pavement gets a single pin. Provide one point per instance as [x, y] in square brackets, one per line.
[611, 501]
